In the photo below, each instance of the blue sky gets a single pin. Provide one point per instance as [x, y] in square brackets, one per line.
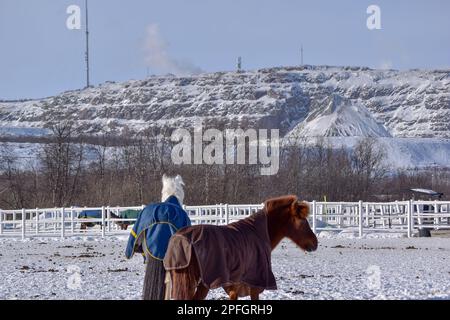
[40, 57]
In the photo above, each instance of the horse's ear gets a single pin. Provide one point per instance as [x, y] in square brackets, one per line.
[279, 203]
[301, 209]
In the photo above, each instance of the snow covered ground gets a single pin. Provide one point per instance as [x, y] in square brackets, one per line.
[341, 268]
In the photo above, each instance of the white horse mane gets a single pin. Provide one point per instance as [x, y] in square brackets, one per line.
[172, 186]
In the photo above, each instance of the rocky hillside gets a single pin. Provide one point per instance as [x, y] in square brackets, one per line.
[328, 101]
[335, 102]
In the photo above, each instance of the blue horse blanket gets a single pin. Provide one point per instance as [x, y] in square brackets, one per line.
[154, 227]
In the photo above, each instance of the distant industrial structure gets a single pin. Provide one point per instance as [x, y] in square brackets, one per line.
[87, 45]
[301, 55]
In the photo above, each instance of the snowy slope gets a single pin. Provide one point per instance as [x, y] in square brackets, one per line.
[401, 153]
[339, 117]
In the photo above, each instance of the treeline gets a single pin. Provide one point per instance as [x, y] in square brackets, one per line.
[71, 171]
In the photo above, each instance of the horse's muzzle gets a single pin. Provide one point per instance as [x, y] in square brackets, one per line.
[312, 246]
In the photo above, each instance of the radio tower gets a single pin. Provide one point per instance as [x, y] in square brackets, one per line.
[87, 45]
[301, 50]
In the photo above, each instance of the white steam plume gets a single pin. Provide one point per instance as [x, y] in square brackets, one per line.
[158, 58]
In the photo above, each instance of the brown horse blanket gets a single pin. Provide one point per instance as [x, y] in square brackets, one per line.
[237, 253]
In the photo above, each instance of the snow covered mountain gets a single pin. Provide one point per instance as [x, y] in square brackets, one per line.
[338, 102]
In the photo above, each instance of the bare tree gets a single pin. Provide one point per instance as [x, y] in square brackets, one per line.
[62, 162]
[15, 180]
[368, 164]
[128, 170]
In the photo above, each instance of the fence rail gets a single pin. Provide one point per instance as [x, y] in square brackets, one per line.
[398, 216]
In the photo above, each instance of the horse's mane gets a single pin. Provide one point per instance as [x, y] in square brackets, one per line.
[279, 203]
[301, 208]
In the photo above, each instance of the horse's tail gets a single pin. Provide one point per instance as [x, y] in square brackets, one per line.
[184, 282]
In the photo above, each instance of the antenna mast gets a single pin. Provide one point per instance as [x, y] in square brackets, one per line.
[301, 54]
[87, 45]
[239, 64]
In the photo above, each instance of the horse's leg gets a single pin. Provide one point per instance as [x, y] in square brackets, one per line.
[233, 295]
[254, 294]
[201, 292]
[232, 292]
[168, 287]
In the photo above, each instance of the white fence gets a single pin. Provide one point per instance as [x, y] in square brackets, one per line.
[399, 216]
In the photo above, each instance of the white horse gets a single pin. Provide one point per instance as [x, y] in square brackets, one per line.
[168, 212]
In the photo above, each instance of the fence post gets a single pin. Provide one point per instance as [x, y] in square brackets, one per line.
[227, 217]
[1, 222]
[23, 224]
[14, 217]
[314, 216]
[409, 218]
[37, 220]
[198, 214]
[103, 222]
[367, 215]
[109, 218]
[55, 220]
[436, 211]
[62, 222]
[72, 221]
[360, 212]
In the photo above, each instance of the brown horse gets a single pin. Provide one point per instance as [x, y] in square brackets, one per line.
[120, 224]
[286, 218]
